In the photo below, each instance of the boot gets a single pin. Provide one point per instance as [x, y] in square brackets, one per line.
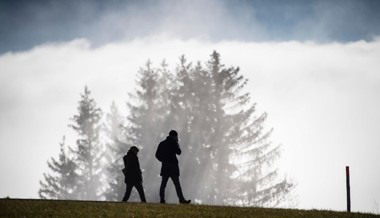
[184, 201]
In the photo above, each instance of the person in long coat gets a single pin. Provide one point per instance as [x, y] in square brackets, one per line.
[166, 153]
[132, 173]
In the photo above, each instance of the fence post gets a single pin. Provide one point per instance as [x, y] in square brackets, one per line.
[348, 189]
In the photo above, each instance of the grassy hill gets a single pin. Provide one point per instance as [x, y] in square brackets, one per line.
[53, 208]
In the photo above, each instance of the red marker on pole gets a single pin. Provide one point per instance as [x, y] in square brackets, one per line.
[348, 189]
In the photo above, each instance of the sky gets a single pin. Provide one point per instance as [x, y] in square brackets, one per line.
[312, 66]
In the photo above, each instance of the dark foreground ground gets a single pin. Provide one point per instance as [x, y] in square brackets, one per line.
[55, 208]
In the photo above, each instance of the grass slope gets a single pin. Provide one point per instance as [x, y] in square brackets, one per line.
[56, 208]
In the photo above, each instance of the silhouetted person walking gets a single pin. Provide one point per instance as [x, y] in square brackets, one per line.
[166, 153]
[132, 173]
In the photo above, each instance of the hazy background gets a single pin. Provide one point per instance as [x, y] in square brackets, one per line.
[313, 66]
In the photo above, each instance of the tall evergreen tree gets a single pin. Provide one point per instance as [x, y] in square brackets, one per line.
[147, 107]
[61, 183]
[225, 129]
[205, 128]
[228, 158]
[89, 151]
[192, 111]
[117, 147]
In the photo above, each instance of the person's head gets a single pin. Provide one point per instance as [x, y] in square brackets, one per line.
[134, 149]
[173, 134]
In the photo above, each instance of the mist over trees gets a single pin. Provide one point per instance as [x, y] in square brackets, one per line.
[84, 169]
[89, 149]
[61, 184]
[116, 149]
[227, 157]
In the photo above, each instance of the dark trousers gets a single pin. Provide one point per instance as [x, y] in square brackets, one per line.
[139, 188]
[177, 185]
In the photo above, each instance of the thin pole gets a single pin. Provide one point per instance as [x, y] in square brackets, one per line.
[348, 189]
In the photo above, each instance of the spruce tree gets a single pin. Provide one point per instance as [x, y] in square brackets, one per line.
[146, 120]
[219, 127]
[117, 148]
[61, 183]
[204, 130]
[89, 151]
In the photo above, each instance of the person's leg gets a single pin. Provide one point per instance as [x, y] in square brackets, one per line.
[164, 181]
[178, 188]
[140, 190]
[128, 192]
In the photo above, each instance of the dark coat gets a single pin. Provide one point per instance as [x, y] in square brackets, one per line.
[132, 171]
[167, 152]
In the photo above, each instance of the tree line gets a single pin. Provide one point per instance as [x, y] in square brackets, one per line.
[228, 157]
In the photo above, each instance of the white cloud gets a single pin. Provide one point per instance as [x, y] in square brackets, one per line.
[322, 100]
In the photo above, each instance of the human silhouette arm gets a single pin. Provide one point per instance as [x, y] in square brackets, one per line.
[178, 149]
[139, 171]
[158, 153]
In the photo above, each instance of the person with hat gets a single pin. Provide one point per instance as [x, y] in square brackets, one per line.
[166, 153]
[132, 173]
